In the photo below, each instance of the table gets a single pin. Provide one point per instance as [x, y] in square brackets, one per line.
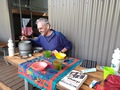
[16, 60]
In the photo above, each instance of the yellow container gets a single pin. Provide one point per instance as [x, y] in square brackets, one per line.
[60, 55]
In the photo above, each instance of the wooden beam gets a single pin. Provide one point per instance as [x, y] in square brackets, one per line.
[27, 12]
[4, 87]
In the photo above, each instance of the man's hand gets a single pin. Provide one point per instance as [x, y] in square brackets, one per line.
[54, 51]
[24, 38]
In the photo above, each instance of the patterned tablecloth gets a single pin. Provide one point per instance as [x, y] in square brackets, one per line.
[47, 79]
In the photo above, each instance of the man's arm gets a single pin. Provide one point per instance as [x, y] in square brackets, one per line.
[66, 43]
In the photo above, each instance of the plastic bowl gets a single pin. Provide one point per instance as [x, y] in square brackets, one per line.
[39, 66]
[108, 71]
[60, 55]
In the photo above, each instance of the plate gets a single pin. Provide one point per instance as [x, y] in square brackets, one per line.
[37, 49]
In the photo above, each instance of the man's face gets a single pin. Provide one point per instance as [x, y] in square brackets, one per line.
[42, 28]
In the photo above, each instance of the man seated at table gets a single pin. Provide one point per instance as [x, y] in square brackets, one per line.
[49, 39]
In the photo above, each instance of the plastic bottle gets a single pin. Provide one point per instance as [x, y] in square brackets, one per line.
[10, 47]
[115, 63]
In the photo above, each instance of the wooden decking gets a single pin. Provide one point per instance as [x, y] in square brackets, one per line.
[9, 79]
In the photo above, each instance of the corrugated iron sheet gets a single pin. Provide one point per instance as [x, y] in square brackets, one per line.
[93, 26]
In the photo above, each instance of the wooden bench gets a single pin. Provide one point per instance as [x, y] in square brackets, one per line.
[4, 87]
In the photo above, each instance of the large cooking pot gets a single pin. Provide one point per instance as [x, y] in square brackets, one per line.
[25, 45]
[25, 48]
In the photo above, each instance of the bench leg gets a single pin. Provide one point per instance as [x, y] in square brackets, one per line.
[5, 53]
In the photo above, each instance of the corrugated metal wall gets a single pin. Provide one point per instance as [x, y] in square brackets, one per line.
[93, 26]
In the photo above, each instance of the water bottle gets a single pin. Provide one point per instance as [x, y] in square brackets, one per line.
[10, 47]
[115, 63]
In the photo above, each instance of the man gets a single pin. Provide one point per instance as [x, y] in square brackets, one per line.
[50, 39]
